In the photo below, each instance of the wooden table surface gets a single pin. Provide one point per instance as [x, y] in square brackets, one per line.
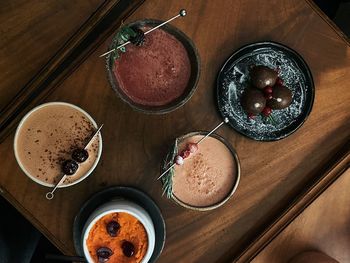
[134, 143]
[31, 33]
[323, 226]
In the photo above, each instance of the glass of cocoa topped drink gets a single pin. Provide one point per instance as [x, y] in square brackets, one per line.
[47, 136]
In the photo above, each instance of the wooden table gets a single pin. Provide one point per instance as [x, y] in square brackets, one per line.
[31, 33]
[134, 143]
[323, 226]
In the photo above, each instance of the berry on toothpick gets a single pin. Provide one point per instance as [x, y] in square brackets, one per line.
[192, 147]
[268, 96]
[179, 160]
[80, 155]
[185, 154]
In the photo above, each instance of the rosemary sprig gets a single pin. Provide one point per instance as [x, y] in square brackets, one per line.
[167, 179]
[269, 120]
[123, 35]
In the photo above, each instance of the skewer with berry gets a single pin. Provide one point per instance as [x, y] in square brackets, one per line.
[135, 35]
[70, 167]
[180, 158]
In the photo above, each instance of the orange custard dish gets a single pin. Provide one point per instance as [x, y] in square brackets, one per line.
[117, 238]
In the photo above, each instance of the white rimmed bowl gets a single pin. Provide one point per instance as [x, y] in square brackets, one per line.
[115, 206]
[48, 105]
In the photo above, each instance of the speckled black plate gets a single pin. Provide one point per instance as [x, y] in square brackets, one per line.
[233, 78]
[128, 193]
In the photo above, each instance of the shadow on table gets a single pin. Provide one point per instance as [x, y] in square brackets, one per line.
[20, 242]
[307, 180]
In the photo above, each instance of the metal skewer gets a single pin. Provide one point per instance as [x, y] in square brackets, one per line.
[96, 132]
[182, 13]
[201, 140]
[50, 195]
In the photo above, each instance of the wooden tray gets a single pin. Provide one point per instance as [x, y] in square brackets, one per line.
[90, 35]
[274, 175]
[328, 175]
[322, 226]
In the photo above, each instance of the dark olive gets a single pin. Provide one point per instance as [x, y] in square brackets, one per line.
[113, 228]
[262, 76]
[281, 98]
[69, 167]
[103, 254]
[253, 101]
[80, 155]
[128, 249]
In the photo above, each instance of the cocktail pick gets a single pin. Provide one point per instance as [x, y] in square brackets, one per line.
[226, 120]
[50, 194]
[182, 13]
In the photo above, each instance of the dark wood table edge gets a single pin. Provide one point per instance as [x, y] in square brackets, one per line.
[91, 34]
[335, 28]
[105, 12]
[331, 172]
[30, 217]
[54, 84]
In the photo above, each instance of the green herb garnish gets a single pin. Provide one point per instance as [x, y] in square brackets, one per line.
[271, 120]
[123, 35]
[167, 179]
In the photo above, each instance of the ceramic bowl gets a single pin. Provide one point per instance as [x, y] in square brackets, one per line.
[121, 205]
[234, 186]
[32, 177]
[192, 83]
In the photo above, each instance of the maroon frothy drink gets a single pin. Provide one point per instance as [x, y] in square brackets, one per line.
[156, 73]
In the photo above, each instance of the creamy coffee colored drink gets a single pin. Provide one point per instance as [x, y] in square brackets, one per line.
[206, 177]
[48, 135]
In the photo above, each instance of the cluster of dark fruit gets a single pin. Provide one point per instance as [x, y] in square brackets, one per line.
[139, 38]
[266, 94]
[69, 167]
[104, 253]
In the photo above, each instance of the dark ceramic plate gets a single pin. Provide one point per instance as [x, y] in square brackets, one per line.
[233, 78]
[192, 83]
[128, 193]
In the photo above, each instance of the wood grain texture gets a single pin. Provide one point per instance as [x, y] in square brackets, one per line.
[31, 33]
[323, 226]
[134, 143]
[308, 194]
[72, 52]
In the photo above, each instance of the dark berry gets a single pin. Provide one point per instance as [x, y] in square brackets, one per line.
[251, 116]
[103, 254]
[184, 154]
[268, 90]
[69, 167]
[128, 249]
[80, 155]
[267, 111]
[279, 82]
[139, 37]
[113, 228]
